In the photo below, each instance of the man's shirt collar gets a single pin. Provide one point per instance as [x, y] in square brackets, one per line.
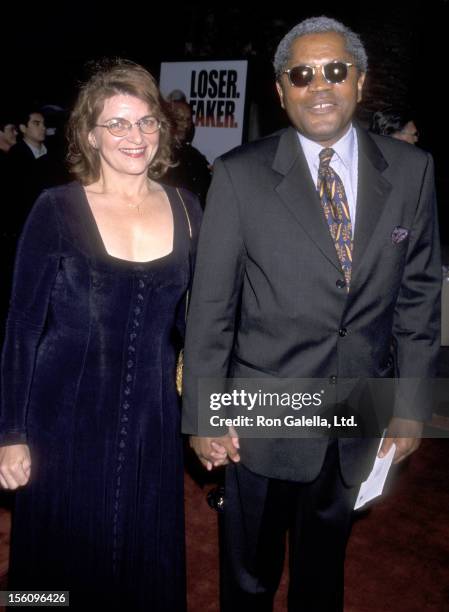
[37, 151]
[343, 149]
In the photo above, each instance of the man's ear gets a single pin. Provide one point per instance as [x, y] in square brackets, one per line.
[22, 128]
[280, 93]
[360, 82]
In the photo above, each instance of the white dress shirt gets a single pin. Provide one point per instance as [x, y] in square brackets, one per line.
[37, 151]
[344, 162]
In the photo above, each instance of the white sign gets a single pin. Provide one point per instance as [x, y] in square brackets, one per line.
[216, 93]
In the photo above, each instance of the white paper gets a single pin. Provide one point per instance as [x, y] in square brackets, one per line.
[373, 486]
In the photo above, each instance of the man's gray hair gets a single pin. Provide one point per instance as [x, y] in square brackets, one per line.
[319, 25]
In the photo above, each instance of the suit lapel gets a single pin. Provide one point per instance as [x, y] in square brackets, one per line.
[298, 193]
[372, 192]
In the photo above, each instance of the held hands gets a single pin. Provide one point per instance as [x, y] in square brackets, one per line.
[406, 434]
[15, 466]
[214, 452]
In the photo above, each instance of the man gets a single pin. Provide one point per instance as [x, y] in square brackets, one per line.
[318, 258]
[8, 135]
[23, 182]
[20, 188]
[32, 128]
[8, 138]
[192, 170]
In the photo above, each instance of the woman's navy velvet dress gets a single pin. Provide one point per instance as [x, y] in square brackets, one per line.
[88, 382]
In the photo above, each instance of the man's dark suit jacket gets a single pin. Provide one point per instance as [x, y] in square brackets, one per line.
[267, 297]
[22, 185]
[22, 155]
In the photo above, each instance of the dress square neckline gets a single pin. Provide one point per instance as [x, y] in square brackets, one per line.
[120, 261]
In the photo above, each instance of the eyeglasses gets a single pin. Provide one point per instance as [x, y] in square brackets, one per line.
[334, 72]
[122, 127]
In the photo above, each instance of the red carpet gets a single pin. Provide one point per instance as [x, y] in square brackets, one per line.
[398, 556]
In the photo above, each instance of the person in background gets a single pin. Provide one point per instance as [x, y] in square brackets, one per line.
[51, 169]
[8, 138]
[396, 123]
[22, 168]
[8, 134]
[90, 416]
[32, 129]
[192, 169]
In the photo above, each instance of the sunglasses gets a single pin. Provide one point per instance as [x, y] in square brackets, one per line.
[334, 72]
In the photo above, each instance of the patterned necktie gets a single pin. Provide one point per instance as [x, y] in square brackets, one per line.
[336, 210]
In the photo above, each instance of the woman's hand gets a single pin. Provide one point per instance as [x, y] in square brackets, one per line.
[15, 466]
[215, 452]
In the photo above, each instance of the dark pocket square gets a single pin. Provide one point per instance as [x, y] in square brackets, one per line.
[399, 234]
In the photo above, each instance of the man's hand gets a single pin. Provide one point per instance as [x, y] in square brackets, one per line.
[406, 434]
[15, 466]
[214, 452]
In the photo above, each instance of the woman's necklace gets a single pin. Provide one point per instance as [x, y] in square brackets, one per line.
[139, 204]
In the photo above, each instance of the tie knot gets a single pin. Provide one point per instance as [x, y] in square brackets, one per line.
[325, 157]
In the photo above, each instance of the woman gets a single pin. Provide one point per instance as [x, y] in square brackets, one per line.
[89, 404]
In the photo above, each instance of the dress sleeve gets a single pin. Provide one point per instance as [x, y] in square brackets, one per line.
[35, 269]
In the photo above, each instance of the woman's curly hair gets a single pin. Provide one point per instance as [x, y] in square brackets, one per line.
[110, 78]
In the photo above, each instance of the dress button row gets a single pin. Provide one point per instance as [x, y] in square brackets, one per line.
[128, 377]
